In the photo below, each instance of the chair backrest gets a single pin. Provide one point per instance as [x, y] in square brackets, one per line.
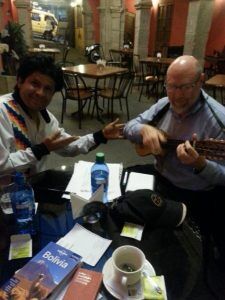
[65, 53]
[148, 69]
[115, 56]
[64, 62]
[73, 83]
[124, 83]
[136, 63]
[101, 52]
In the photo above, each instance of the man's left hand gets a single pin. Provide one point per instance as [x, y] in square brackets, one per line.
[113, 130]
[189, 156]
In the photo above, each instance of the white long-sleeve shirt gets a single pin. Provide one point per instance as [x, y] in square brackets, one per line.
[12, 159]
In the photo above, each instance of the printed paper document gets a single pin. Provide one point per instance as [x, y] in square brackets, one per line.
[85, 243]
[80, 182]
[140, 181]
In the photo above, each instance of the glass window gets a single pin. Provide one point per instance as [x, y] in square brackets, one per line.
[35, 17]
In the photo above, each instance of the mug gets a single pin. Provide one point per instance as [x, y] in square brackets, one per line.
[128, 263]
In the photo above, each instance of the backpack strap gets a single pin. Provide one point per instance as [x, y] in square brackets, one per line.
[163, 110]
[159, 115]
[220, 123]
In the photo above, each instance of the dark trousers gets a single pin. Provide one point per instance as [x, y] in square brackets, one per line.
[206, 208]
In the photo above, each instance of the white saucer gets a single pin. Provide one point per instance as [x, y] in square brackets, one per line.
[118, 291]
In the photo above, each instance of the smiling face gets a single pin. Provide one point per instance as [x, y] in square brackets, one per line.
[183, 83]
[36, 91]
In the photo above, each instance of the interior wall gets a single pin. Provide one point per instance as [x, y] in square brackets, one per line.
[94, 4]
[216, 38]
[129, 6]
[14, 11]
[179, 20]
[153, 22]
[7, 13]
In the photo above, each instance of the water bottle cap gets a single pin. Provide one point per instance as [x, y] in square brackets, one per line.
[100, 157]
[19, 178]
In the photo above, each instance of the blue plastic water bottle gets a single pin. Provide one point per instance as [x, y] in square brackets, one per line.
[23, 205]
[100, 175]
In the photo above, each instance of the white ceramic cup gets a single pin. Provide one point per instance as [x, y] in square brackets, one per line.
[128, 262]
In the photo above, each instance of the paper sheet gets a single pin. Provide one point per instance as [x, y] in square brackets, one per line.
[139, 181]
[77, 202]
[131, 230]
[85, 243]
[20, 246]
[80, 182]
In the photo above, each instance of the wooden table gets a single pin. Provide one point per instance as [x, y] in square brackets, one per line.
[93, 71]
[49, 51]
[163, 60]
[217, 82]
[157, 67]
[217, 64]
[124, 51]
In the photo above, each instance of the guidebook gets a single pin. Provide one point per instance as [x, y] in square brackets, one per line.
[42, 274]
[85, 284]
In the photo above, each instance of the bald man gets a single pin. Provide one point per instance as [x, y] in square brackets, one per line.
[182, 173]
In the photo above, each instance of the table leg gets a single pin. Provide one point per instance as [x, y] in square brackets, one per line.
[96, 102]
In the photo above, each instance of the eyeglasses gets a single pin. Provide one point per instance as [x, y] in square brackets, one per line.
[183, 88]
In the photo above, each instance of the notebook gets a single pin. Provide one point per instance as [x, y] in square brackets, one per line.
[140, 181]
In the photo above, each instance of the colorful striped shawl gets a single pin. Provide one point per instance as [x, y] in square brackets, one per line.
[18, 124]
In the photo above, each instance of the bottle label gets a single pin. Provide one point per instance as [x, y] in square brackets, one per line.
[23, 207]
[99, 177]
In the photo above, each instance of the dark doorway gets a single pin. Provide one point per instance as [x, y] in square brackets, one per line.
[129, 28]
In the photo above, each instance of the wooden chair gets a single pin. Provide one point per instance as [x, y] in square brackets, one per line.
[64, 62]
[75, 89]
[118, 89]
[137, 71]
[116, 59]
[149, 80]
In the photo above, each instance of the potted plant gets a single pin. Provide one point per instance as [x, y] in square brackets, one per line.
[14, 38]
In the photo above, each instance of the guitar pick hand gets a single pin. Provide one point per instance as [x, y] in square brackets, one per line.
[152, 139]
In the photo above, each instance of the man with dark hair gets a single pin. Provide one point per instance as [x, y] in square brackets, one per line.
[28, 131]
[185, 171]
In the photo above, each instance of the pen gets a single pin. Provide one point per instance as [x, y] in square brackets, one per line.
[52, 190]
[125, 178]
